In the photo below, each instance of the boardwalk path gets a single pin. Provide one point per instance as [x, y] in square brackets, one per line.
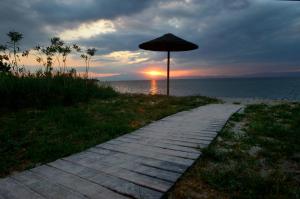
[142, 164]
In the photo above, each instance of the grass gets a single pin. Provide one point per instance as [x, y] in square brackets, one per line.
[43, 91]
[33, 136]
[257, 155]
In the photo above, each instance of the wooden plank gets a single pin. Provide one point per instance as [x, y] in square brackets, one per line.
[126, 187]
[192, 141]
[184, 144]
[157, 143]
[129, 163]
[83, 186]
[160, 164]
[145, 153]
[188, 140]
[144, 180]
[114, 183]
[45, 187]
[171, 152]
[11, 189]
[192, 135]
[179, 136]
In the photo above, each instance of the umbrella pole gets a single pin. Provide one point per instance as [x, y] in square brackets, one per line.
[168, 75]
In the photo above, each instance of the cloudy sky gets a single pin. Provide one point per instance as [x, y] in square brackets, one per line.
[235, 37]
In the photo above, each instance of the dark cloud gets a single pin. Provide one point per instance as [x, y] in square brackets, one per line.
[236, 4]
[32, 17]
[261, 34]
[75, 10]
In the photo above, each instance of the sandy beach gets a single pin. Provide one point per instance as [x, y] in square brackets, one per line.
[248, 101]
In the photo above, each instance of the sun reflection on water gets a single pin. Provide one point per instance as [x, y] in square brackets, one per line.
[153, 87]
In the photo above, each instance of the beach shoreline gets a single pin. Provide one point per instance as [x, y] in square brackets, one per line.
[249, 101]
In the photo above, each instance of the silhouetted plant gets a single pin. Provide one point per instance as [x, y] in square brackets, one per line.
[65, 52]
[76, 48]
[20, 88]
[48, 56]
[4, 60]
[10, 54]
[57, 46]
[73, 72]
[47, 52]
[89, 53]
[57, 51]
[15, 38]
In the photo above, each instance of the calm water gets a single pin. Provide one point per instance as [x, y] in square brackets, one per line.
[266, 88]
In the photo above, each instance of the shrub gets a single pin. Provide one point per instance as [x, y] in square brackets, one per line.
[42, 91]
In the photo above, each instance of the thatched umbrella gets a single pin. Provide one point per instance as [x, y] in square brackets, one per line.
[168, 42]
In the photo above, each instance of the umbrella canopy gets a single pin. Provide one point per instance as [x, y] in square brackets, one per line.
[168, 42]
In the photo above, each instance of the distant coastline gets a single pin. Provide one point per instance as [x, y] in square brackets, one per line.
[250, 101]
[252, 75]
[272, 88]
[201, 78]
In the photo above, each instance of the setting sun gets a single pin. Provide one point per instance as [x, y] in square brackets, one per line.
[155, 73]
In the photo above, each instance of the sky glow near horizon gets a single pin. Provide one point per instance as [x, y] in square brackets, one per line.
[235, 37]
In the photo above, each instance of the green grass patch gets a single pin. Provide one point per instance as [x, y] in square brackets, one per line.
[32, 136]
[257, 155]
[42, 91]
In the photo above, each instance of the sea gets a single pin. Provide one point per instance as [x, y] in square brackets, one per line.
[277, 88]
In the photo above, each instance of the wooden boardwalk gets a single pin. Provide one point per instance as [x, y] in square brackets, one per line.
[143, 164]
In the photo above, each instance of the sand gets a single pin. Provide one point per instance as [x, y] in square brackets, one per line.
[248, 101]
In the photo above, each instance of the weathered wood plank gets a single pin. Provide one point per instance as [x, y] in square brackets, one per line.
[157, 143]
[46, 187]
[145, 153]
[114, 183]
[160, 164]
[11, 189]
[129, 163]
[91, 161]
[192, 141]
[187, 138]
[83, 186]
[166, 151]
[176, 142]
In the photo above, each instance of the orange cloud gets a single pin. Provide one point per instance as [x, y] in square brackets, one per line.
[73, 61]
